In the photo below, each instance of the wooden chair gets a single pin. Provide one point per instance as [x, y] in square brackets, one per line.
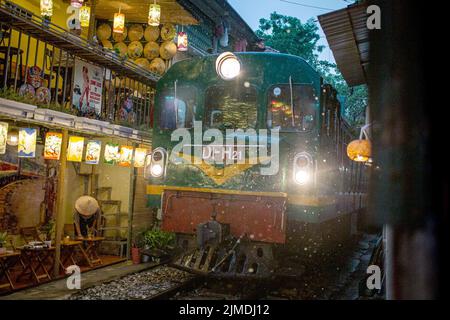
[30, 234]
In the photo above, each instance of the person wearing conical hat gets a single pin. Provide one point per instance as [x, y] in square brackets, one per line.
[86, 215]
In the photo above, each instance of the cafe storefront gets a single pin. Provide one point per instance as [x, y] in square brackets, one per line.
[77, 83]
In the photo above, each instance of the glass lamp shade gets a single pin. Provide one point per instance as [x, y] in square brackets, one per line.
[46, 8]
[119, 23]
[154, 15]
[182, 42]
[85, 16]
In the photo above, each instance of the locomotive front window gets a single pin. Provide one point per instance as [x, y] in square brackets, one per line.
[231, 107]
[178, 112]
[291, 109]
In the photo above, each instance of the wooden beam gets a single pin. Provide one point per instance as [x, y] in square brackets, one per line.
[60, 214]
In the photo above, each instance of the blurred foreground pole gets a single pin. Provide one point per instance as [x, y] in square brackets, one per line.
[409, 192]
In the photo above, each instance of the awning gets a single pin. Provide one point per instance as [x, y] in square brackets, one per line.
[348, 37]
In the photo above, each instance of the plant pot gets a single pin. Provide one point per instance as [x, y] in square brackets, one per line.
[135, 255]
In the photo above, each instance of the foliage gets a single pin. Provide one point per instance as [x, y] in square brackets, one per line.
[48, 229]
[3, 237]
[11, 94]
[289, 35]
[157, 239]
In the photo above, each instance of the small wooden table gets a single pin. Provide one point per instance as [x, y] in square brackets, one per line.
[35, 260]
[90, 250]
[7, 261]
[68, 253]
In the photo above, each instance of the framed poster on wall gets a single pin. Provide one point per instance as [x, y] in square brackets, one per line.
[87, 88]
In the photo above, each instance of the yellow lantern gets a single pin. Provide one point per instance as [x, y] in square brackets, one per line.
[76, 3]
[3, 136]
[154, 15]
[47, 8]
[85, 16]
[182, 41]
[119, 22]
[359, 150]
[139, 157]
[75, 149]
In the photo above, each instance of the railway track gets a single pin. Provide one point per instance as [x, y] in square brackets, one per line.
[323, 281]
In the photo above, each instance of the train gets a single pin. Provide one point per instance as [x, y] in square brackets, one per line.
[249, 164]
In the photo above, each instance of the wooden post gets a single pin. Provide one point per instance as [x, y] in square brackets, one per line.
[131, 206]
[60, 215]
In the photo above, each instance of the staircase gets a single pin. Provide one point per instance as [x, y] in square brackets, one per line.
[114, 223]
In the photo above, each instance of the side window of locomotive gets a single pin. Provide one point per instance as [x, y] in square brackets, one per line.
[178, 112]
[231, 107]
[299, 117]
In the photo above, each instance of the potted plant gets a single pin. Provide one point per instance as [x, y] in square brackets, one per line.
[136, 248]
[3, 236]
[158, 244]
[48, 229]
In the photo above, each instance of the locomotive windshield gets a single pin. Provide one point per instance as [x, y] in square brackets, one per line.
[231, 107]
[280, 113]
[178, 112]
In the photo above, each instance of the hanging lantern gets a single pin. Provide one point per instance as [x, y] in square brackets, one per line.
[359, 150]
[3, 136]
[85, 16]
[13, 138]
[112, 154]
[126, 155]
[75, 149]
[47, 8]
[119, 22]
[182, 41]
[76, 3]
[52, 148]
[93, 150]
[139, 157]
[154, 15]
[27, 143]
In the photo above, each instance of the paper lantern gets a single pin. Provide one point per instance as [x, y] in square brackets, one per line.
[139, 157]
[154, 14]
[27, 143]
[119, 22]
[3, 136]
[120, 37]
[13, 138]
[104, 32]
[359, 150]
[85, 16]
[121, 48]
[47, 8]
[158, 66]
[135, 32]
[151, 50]
[76, 3]
[75, 149]
[168, 32]
[168, 50]
[135, 50]
[112, 154]
[182, 41]
[151, 33]
[126, 156]
[52, 148]
[93, 150]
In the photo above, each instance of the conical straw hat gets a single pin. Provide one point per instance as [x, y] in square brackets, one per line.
[86, 205]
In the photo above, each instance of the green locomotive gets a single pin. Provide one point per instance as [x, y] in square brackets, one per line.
[249, 162]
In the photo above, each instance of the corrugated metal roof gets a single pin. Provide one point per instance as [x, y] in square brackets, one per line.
[348, 38]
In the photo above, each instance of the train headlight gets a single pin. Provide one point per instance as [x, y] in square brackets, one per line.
[228, 66]
[303, 168]
[302, 177]
[156, 170]
[158, 163]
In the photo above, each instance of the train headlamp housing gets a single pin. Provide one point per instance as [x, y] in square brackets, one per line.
[156, 167]
[303, 168]
[228, 66]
